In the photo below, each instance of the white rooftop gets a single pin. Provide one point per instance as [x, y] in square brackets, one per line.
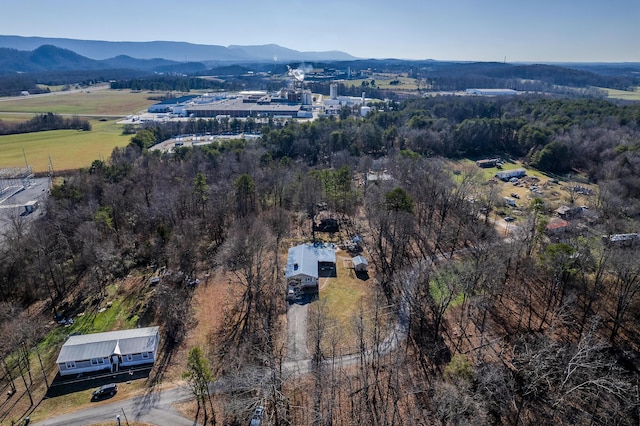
[102, 345]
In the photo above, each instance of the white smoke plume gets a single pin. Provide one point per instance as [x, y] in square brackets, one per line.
[299, 73]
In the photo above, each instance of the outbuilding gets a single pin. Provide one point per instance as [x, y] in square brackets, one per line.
[505, 175]
[360, 264]
[109, 351]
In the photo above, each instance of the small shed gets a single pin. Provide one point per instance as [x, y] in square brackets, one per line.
[360, 264]
[488, 163]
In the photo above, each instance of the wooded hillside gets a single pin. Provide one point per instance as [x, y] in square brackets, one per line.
[534, 328]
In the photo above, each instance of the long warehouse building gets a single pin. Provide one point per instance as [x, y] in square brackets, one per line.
[241, 108]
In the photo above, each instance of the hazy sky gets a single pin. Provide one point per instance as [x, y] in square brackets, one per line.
[483, 30]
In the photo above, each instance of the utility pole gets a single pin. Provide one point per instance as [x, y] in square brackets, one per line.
[46, 381]
[26, 163]
[125, 417]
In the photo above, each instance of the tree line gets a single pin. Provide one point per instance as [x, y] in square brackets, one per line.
[43, 122]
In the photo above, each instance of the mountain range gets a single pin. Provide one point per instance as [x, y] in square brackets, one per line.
[172, 50]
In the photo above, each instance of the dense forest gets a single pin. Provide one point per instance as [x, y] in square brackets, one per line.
[533, 329]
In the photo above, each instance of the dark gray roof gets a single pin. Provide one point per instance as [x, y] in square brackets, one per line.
[101, 345]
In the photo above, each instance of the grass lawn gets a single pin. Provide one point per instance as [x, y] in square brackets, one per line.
[342, 299]
[82, 399]
[69, 149]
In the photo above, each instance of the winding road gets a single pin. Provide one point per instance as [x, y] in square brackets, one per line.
[153, 407]
[157, 407]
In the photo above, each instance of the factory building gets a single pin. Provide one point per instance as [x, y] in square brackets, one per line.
[244, 107]
[170, 105]
[491, 92]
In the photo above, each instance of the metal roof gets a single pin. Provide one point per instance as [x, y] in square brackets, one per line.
[102, 345]
[303, 259]
[359, 260]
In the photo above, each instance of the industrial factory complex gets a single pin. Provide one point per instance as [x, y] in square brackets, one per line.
[285, 103]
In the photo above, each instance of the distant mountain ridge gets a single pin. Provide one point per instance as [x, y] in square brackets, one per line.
[171, 50]
[48, 58]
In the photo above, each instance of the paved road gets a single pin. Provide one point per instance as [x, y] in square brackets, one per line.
[155, 408]
[297, 332]
[59, 93]
[14, 197]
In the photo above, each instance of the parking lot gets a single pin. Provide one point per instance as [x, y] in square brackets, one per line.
[14, 196]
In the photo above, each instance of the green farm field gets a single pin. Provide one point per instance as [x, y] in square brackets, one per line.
[623, 94]
[87, 102]
[69, 149]
[384, 83]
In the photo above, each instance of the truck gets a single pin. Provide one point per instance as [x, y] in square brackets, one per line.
[509, 201]
[30, 206]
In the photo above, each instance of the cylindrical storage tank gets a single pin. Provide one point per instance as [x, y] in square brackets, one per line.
[306, 98]
[333, 91]
[364, 110]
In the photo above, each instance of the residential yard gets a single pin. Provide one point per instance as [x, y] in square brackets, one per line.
[122, 299]
[341, 301]
[554, 191]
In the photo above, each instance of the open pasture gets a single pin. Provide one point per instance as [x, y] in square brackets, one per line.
[68, 149]
[82, 103]
[626, 95]
[384, 82]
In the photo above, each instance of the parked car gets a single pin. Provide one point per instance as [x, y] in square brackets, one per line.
[514, 195]
[258, 413]
[509, 219]
[105, 391]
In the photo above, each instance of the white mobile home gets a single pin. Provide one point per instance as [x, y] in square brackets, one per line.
[508, 174]
[108, 351]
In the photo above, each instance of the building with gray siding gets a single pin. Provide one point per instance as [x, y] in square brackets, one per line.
[109, 351]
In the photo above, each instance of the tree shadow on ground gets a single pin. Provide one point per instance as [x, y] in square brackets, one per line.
[64, 386]
[152, 394]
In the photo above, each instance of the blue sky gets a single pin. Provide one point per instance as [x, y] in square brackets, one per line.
[482, 30]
